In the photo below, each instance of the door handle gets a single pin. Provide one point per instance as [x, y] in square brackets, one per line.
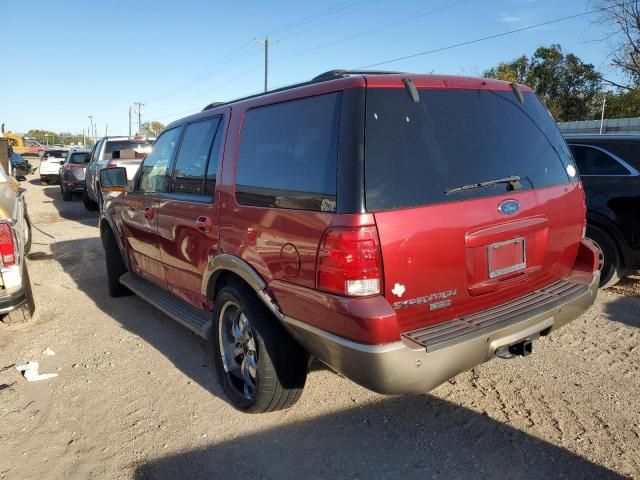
[149, 213]
[204, 224]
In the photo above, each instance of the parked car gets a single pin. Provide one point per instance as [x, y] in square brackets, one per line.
[110, 152]
[343, 218]
[16, 297]
[50, 165]
[72, 172]
[609, 166]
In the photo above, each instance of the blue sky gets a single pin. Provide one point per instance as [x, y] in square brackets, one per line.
[65, 60]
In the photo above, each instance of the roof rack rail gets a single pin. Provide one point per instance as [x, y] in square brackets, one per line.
[333, 74]
[323, 77]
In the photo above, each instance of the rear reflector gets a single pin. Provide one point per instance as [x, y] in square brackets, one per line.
[349, 262]
[7, 246]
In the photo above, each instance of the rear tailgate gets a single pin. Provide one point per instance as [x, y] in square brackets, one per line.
[449, 252]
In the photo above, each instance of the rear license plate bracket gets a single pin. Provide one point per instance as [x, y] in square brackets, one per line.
[506, 257]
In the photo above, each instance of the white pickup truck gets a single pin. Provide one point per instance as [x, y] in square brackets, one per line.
[111, 152]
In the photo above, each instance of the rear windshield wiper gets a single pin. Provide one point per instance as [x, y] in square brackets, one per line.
[513, 182]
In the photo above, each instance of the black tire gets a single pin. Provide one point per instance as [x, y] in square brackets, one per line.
[88, 203]
[115, 266]
[27, 231]
[281, 366]
[66, 195]
[611, 266]
[24, 312]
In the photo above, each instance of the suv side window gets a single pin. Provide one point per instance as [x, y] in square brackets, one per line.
[191, 162]
[153, 171]
[592, 161]
[288, 154]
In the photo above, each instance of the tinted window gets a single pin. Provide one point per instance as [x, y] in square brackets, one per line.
[288, 154]
[56, 154]
[592, 161]
[626, 150]
[214, 160]
[79, 158]
[415, 152]
[191, 163]
[113, 147]
[153, 170]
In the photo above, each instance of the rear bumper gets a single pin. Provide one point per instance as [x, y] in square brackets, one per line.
[406, 366]
[73, 185]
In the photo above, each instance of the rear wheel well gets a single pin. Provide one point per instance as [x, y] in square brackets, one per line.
[220, 279]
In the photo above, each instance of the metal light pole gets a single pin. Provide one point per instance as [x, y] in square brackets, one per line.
[140, 111]
[129, 121]
[604, 103]
[90, 125]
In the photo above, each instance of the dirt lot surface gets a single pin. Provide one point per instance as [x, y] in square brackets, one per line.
[136, 396]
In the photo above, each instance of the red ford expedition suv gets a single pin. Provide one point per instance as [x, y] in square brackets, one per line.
[401, 228]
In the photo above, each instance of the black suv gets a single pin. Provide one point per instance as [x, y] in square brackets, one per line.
[609, 166]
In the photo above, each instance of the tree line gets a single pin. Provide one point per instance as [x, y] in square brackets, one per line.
[148, 129]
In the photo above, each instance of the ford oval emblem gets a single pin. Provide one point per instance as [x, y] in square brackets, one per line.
[509, 207]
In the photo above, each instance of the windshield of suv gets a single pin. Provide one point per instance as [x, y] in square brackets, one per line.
[417, 152]
[140, 146]
[79, 158]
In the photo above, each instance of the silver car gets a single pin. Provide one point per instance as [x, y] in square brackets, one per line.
[110, 152]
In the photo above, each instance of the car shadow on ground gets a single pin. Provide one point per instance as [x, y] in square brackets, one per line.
[397, 437]
[625, 310]
[83, 260]
[73, 210]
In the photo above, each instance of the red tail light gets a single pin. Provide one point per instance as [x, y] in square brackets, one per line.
[349, 262]
[112, 165]
[7, 246]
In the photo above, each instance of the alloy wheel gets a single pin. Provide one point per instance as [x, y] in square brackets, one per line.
[238, 348]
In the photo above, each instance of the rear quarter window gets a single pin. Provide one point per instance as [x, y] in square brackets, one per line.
[288, 154]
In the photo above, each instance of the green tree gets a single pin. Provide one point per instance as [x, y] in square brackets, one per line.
[568, 86]
[151, 129]
[621, 104]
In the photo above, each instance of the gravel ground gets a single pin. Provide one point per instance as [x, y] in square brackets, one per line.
[136, 396]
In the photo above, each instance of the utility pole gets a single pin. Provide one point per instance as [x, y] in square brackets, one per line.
[129, 121]
[140, 111]
[90, 126]
[266, 42]
[106, 129]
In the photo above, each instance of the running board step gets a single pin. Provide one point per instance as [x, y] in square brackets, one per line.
[198, 321]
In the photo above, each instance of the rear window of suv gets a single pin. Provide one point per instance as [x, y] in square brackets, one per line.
[416, 152]
[142, 147]
[288, 154]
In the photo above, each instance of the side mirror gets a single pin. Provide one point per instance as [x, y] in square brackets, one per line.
[61, 162]
[113, 179]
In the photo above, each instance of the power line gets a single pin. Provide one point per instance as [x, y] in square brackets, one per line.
[448, 47]
[482, 39]
[313, 16]
[245, 49]
[351, 9]
[373, 30]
